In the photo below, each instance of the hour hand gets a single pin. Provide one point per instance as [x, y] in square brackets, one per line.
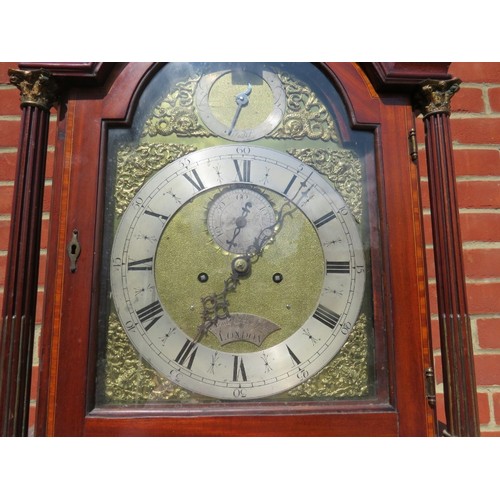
[242, 100]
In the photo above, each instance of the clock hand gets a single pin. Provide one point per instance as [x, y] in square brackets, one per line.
[241, 101]
[241, 222]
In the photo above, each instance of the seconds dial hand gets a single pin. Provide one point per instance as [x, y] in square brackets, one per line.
[241, 221]
[241, 101]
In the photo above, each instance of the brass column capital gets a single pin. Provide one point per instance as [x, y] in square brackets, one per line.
[434, 96]
[38, 87]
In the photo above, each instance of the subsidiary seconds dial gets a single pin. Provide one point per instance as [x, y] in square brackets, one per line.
[237, 216]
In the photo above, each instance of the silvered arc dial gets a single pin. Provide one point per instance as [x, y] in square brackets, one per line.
[238, 272]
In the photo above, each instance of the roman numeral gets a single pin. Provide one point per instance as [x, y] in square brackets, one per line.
[196, 181]
[150, 314]
[338, 267]
[325, 316]
[141, 265]
[323, 220]
[163, 218]
[239, 369]
[243, 173]
[294, 357]
[187, 353]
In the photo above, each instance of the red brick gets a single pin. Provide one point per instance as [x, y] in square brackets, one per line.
[429, 260]
[424, 193]
[4, 234]
[479, 226]
[440, 409]
[476, 161]
[476, 130]
[494, 98]
[487, 367]
[468, 100]
[34, 382]
[483, 407]
[482, 263]
[483, 298]
[470, 194]
[49, 168]
[10, 103]
[438, 369]
[9, 133]
[496, 407]
[478, 194]
[41, 270]
[8, 166]
[4, 68]
[427, 228]
[476, 72]
[6, 195]
[436, 341]
[39, 307]
[31, 419]
[488, 331]
[3, 265]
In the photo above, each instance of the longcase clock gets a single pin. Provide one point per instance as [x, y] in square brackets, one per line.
[236, 249]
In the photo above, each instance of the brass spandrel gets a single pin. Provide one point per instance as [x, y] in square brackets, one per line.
[347, 375]
[136, 164]
[343, 169]
[128, 379]
[305, 115]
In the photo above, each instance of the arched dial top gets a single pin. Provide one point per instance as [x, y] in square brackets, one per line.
[237, 272]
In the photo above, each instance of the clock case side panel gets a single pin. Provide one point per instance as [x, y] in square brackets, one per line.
[67, 346]
[398, 221]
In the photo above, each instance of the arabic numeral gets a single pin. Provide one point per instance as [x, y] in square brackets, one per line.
[130, 325]
[240, 393]
[346, 327]
[185, 162]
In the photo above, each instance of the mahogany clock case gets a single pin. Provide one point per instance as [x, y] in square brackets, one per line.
[72, 397]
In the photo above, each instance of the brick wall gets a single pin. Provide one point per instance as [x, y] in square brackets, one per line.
[476, 139]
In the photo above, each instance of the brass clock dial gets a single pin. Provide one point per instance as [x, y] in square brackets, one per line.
[241, 105]
[237, 287]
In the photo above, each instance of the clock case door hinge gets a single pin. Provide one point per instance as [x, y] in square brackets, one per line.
[412, 144]
[430, 387]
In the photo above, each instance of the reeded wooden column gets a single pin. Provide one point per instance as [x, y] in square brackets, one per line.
[16, 348]
[433, 101]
